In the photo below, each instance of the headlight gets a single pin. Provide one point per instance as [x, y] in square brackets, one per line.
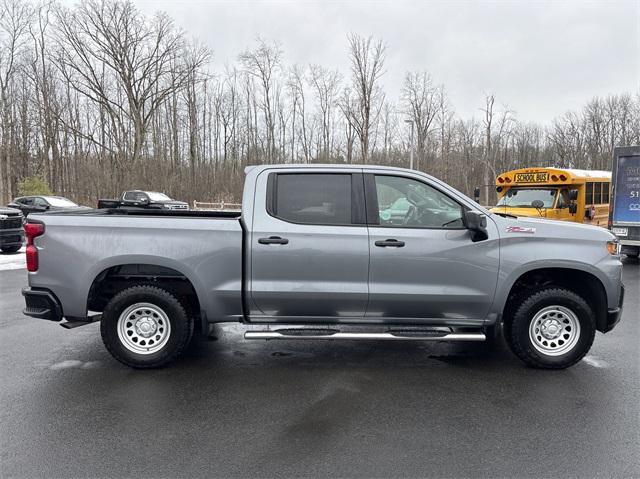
[613, 247]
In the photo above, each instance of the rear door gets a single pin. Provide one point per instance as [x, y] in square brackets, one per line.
[424, 264]
[309, 246]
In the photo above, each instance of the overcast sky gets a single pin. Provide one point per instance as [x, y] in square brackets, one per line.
[539, 58]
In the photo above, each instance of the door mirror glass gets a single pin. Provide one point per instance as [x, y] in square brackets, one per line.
[476, 222]
[573, 195]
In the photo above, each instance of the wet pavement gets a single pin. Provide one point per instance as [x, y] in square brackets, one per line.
[231, 407]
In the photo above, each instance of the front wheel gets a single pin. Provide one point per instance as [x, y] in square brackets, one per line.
[145, 327]
[553, 328]
[11, 249]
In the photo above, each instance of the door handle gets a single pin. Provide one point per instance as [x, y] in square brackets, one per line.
[273, 240]
[394, 243]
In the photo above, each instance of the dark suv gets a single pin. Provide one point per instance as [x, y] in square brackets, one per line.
[11, 232]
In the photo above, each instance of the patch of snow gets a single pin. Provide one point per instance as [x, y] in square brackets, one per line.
[13, 261]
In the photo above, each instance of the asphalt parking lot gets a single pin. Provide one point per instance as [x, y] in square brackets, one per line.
[272, 409]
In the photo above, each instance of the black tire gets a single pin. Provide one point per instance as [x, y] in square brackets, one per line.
[179, 330]
[517, 329]
[11, 249]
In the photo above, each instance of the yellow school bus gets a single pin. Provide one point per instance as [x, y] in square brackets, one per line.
[556, 194]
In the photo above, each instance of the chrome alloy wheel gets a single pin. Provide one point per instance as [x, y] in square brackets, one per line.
[144, 328]
[554, 330]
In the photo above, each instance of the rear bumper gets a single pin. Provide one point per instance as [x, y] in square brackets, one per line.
[614, 315]
[41, 304]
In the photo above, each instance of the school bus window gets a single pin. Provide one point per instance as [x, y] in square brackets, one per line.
[597, 193]
[605, 193]
[589, 194]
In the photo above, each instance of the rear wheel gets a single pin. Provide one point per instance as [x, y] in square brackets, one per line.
[145, 327]
[553, 328]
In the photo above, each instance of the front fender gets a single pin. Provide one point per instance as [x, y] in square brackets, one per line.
[607, 278]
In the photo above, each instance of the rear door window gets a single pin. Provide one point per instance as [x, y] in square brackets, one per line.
[312, 198]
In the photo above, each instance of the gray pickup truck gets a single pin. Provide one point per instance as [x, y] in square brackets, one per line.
[327, 253]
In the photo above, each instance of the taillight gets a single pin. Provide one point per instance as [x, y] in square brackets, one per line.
[31, 231]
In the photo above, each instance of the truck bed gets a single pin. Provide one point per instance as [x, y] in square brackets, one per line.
[203, 246]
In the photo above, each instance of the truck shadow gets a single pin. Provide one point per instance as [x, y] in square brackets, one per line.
[230, 347]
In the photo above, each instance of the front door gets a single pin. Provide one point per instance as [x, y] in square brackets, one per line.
[309, 247]
[423, 263]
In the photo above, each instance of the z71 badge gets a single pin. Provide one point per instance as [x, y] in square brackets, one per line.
[520, 229]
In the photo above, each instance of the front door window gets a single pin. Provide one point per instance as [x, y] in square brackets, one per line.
[406, 203]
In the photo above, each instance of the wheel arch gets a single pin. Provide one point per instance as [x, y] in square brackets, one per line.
[118, 272]
[582, 279]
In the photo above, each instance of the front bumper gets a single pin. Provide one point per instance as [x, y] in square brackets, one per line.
[11, 237]
[614, 315]
[41, 304]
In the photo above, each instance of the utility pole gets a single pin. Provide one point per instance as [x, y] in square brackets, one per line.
[411, 147]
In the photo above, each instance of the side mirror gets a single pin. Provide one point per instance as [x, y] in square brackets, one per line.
[573, 195]
[573, 209]
[537, 204]
[476, 222]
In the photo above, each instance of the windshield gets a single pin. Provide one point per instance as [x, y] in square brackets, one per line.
[60, 202]
[523, 197]
[155, 196]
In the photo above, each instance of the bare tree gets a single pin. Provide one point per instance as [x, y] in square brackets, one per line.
[262, 63]
[325, 84]
[109, 52]
[15, 18]
[420, 101]
[367, 66]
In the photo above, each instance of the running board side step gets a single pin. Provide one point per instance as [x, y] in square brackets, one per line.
[389, 336]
